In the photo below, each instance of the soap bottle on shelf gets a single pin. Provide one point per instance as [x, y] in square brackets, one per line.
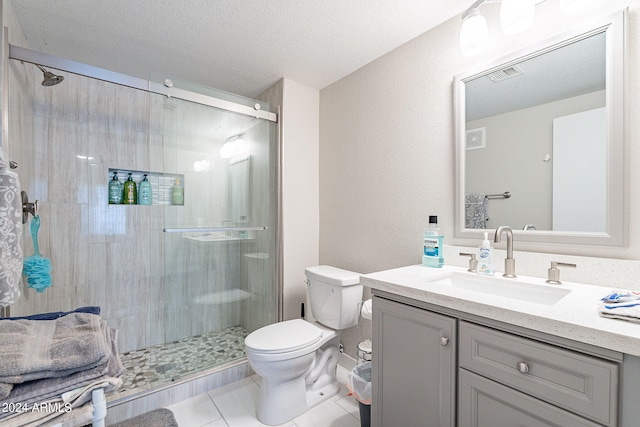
[145, 197]
[485, 263]
[115, 190]
[177, 193]
[130, 192]
[432, 251]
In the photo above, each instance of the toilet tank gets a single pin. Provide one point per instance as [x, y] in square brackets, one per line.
[334, 295]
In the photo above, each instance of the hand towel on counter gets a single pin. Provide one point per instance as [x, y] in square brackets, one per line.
[10, 234]
[36, 349]
[476, 211]
[629, 311]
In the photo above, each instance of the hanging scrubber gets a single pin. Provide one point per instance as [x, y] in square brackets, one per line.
[36, 268]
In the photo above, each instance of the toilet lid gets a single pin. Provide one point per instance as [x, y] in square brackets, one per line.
[283, 336]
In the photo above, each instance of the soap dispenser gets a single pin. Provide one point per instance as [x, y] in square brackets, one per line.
[145, 197]
[485, 262]
[130, 193]
[115, 190]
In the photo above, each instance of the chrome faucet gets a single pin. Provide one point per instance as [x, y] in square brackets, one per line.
[509, 262]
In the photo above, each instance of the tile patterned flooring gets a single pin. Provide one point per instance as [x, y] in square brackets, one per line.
[234, 406]
[162, 364]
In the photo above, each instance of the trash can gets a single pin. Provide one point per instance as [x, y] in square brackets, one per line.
[359, 384]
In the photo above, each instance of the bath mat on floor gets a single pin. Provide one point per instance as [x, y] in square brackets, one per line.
[162, 417]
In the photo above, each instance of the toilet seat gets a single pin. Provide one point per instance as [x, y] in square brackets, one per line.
[287, 336]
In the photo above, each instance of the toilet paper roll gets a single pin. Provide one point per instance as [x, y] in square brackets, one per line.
[366, 311]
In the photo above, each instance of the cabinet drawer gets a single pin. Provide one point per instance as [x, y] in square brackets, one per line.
[574, 381]
[485, 403]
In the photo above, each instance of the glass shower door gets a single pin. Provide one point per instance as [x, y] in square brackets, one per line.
[217, 278]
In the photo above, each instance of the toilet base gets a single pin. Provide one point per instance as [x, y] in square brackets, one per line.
[285, 401]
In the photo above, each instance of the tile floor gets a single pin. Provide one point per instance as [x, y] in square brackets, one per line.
[234, 405]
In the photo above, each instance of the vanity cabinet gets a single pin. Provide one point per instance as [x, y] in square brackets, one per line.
[413, 366]
[445, 368]
[503, 376]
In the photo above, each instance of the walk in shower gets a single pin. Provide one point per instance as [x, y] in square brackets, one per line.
[183, 279]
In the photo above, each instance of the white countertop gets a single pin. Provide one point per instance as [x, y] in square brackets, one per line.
[574, 317]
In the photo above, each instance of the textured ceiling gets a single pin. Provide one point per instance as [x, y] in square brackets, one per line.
[240, 46]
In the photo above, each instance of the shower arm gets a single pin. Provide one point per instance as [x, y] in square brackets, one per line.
[211, 229]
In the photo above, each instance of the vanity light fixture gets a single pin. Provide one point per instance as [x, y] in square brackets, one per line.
[515, 16]
[473, 33]
[233, 147]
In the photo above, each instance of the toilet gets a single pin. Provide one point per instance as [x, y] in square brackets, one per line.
[297, 359]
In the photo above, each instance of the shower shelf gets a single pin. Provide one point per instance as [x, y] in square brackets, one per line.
[161, 184]
[211, 229]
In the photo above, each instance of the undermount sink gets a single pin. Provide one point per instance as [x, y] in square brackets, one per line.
[502, 287]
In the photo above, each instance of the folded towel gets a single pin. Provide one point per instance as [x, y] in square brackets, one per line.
[33, 392]
[36, 349]
[476, 211]
[10, 235]
[629, 311]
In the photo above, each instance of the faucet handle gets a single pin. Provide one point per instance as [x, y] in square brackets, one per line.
[554, 272]
[473, 262]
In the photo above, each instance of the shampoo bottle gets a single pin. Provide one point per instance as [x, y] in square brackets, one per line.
[432, 252]
[485, 263]
[115, 190]
[177, 193]
[130, 193]
[145, 198]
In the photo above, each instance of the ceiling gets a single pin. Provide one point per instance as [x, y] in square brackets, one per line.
[239, 46]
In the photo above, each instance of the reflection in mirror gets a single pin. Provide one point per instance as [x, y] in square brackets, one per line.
[545, 129]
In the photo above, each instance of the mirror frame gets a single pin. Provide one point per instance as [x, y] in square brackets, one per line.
[615, 26]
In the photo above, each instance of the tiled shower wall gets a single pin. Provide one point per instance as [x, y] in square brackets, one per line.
[65, 138]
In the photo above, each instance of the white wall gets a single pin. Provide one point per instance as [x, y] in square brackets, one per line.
[387, 157]
[300, 201]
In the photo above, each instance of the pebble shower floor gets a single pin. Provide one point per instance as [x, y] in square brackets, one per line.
[165, 363]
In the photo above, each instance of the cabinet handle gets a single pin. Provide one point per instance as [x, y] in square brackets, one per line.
[522, 367]
[444, 341]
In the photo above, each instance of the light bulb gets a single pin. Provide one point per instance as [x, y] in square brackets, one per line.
[473, 33]
[516, 15]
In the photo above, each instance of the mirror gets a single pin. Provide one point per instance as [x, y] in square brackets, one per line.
[540, 141]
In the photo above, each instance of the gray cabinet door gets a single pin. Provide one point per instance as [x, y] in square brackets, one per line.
[485, 403]
[414, 366]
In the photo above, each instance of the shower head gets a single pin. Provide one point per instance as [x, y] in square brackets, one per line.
[50, 79]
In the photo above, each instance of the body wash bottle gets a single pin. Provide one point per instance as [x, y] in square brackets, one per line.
[432, 251]
[130, 193]
[145, 198]
[485, 262]
[115, 190]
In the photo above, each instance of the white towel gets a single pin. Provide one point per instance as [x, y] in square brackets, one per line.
[10, 232]
[629, 311]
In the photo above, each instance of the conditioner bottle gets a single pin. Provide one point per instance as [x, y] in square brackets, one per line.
[145, 198]
[130, 192]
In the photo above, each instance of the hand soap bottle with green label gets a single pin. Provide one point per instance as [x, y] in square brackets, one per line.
[432, 251]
